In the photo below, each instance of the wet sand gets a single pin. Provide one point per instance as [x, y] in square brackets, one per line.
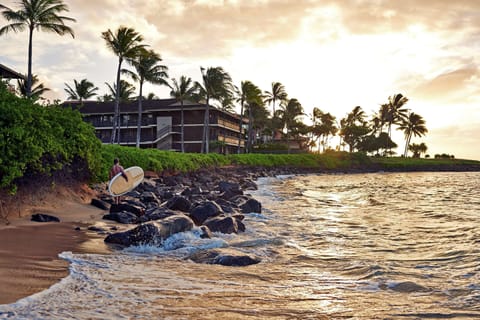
[29, 261]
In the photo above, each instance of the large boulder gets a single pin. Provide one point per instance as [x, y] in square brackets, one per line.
[151, 233]
[148, 196]
[205, 210]
[222, 224]
[157, 213]
[226, 257]
[179, 203]
[40, 217]
[251, 205]
[135, 209]
[99, 204]
[228, 186]
[122, 217]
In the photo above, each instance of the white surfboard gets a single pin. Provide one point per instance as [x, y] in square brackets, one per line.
[119, 185]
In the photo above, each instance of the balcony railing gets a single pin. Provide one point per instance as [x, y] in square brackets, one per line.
[231, 140]
[98, 123]
[228, 124]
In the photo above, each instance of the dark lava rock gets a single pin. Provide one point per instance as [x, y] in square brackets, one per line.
[136, 210]
[148, 196]
[122, 217]
[100, 204]
[179, 203]
[96, 229]
[157, 213]
[153, 232]
[251, 205]
[225, 257]
[40, 217]
[205, 210]
[222, 224]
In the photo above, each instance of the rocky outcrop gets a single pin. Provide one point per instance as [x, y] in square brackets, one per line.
[40, 217]
[151, 233]
[225, 257]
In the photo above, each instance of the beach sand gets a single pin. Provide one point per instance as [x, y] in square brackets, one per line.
[29, 261]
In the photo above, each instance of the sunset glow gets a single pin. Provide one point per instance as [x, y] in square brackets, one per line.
[333, 55]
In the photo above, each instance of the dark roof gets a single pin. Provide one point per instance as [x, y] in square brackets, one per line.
[99, 107]
[7, 73]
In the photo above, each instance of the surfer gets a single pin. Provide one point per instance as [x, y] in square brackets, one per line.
[116, 169]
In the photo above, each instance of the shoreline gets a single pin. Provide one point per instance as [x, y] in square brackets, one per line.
[29, 261]
[29, 251]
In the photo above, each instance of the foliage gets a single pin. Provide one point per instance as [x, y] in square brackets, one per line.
[81, 90]
[157, 160]
[35, 139]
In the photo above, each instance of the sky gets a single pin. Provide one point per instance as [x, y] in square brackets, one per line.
[329, 54]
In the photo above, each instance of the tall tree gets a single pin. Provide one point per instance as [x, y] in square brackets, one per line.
[418, 149]
[148, 69]
[395, 111]
[216, 84]
[182, 90]
[353, 128]
[37, 89]
[289, 112]
[247, 93]
[82, 90]
[412, 125]
[278, 93]
[125, 43]
[36, 15]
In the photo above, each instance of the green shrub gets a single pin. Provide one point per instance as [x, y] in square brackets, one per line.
[40, 139]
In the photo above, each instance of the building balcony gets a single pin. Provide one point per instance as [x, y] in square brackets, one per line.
[99, 123]
[231, 141]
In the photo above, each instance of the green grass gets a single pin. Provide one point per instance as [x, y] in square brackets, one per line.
[160, 161]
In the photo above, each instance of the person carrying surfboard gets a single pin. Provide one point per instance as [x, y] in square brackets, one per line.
[116, 169]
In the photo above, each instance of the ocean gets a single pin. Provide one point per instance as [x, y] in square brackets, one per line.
[337, 246]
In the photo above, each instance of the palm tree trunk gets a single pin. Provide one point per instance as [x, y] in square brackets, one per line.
[250, 128]
[240, 127]
[30, 55]
[288, 142]
[407, 142]
[182, 125]
[116, 112]
[139, 118]
[206, 130]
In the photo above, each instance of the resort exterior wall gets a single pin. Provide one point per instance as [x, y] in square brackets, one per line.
[161, 125]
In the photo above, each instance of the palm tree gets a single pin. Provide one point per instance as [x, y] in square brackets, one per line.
[148, 69]
[247, 93]
[413, 124]
[36, 91]
[181, 91]
[36, 15]
[126, 92]
[418, 149]
[395, 111]
[151, 96]
[216, 84]
[289, 111]
[353, 128]
[125, 43]
[277, 94]
[83, 90]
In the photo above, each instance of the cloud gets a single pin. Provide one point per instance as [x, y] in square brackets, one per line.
[448, 86]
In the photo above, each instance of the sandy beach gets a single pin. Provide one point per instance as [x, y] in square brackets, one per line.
[29, 250]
